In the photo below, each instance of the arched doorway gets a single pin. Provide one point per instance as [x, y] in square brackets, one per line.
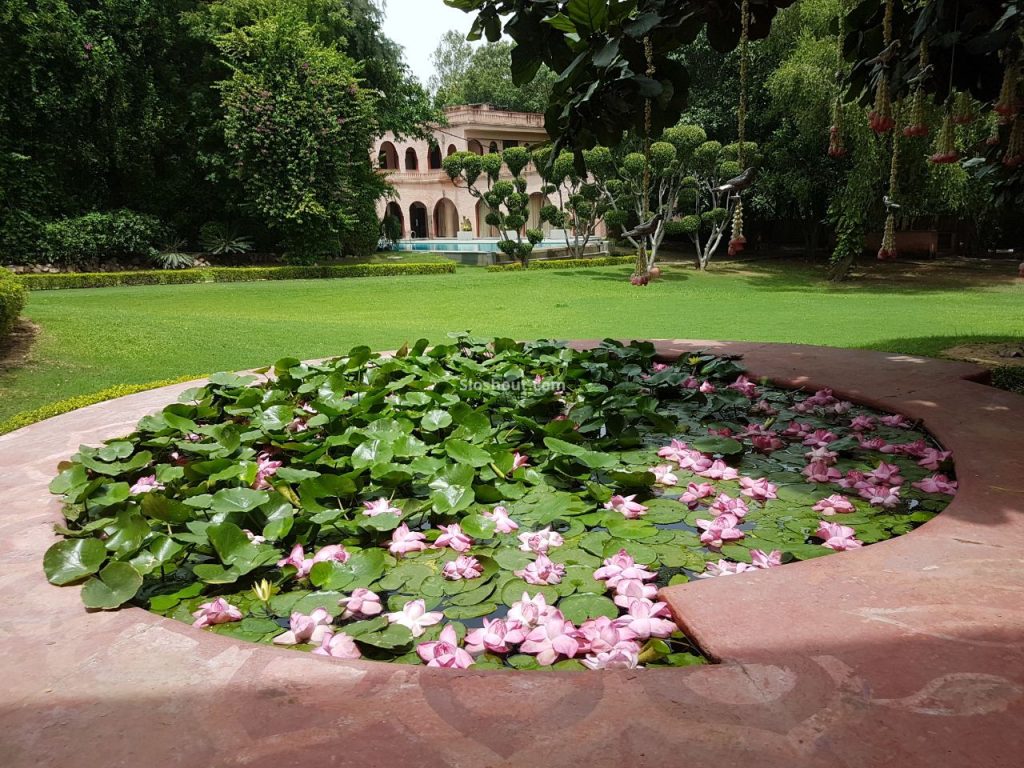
[475, 147]
[446, 218]
[451, 150]
[484, 229]
[418, 220]
[387, 157]
[493, 148]
[412, 161]
[395, 211]
[435, 158]
[538, 201]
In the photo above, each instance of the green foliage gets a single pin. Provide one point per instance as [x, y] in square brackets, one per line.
[99, 236]
[60, 281]
[12, 301]
[221, 239]
[684, 227]
[173, 255]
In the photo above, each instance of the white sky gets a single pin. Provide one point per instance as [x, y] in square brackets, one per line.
[417, 26]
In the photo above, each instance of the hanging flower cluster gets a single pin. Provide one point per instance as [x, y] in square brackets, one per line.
[881, 118]
[888, 252]
[963, 110]
[738, 241]
[836, 145]
[1014, 155]
[1008, 105]
[945, 146]
[917, 125]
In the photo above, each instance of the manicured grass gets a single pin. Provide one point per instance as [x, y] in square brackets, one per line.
[92, 339]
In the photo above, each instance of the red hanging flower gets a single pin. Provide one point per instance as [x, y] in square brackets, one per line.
[881, 118]
[738, 242]
[1014, 155]
[945, 150]
[917, 125]
[888, 250]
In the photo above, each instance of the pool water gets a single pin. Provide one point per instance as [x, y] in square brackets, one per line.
[488, 245]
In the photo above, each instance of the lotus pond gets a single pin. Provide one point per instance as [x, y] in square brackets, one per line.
[482, 503]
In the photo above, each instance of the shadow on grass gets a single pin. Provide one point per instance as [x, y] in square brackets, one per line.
[934, 346]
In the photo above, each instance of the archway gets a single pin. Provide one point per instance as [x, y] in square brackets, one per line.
[435, 158]
[412, 161]
[538, 201]
[418, 220]
[483, 229]
[395, 211]
[451, 150]
[475, 147]
[446, 218]
[493, 148]
[387, 157]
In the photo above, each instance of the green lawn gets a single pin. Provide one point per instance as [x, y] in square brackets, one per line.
[93, 339]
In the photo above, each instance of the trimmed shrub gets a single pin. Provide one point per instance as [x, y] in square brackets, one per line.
[602, 261]
[49, 282]
[12, 301]
[1009, 377]
[100, 236]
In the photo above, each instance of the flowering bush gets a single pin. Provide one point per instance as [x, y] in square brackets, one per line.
[480, 503]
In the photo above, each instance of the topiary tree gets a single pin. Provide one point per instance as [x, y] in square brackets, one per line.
[581, 205]
[622, 184]
[506, 199]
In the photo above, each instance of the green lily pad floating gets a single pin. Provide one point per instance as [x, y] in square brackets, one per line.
[264, 506]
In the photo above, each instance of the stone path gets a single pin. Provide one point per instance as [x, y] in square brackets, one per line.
[907, 653]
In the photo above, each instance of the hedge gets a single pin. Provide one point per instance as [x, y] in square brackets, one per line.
[12, 300]
[25, 418]
[1009, 377]
[61, 280]
[602, 261]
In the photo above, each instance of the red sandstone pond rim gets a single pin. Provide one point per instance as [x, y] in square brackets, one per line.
[909, 650]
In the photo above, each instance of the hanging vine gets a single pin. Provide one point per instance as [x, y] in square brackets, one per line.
[738, 241]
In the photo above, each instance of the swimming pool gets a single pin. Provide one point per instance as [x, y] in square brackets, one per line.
[445, 245]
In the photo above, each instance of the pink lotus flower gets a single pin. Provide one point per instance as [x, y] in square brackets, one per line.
[445, 651]
[415, 617]
[765, 408]
[663, 475]
[462, 567]
[691, 382]
[626, 506]
[145, 485]
[694, 493]
[361, 603]
[932, 458]
[695, 461]
[744, 386]
[542, 571]
[798, 430]
[937, 484]
[764, 560]
[853, 479]
[622, 566]
[837, 537]
[822, 398]
[453, 537]
[842, 407]
[674, 451]
[297, 425]
[602, 634]
[646, 619]
[550, 639]
[725, 568]
[617, 658]
[540, 542]
[380, 506]
[707, 388]
[873, 444]
[659, 367]
[404, 541]
[220, 611]
[834, 505]
[502, 522]
[719, 470]
[632, 589]
[338, 645]
[720, 530]
[863, 423]
[726, 505]
[265, 468]
[822, 454]
[758, 490]
[720, 432]
[888, 474]
[303, 565]
[820, 438]
[528, 612]
[918, 448]
[766, 443]
[496, 636]
[519, 460]
[306, 629]
[882, 495]
[895, 420]
[820, 472]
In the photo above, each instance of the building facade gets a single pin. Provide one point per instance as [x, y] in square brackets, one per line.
[429, 204]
